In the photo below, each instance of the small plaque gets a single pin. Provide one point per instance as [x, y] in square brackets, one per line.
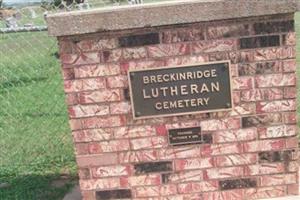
[180, 90]
[185, 136]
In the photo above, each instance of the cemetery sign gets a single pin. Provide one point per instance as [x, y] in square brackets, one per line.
[180, 90]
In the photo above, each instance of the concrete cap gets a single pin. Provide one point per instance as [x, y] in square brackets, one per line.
[160, 14]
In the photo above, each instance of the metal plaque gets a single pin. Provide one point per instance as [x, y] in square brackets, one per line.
[180, 90]
[185, 136]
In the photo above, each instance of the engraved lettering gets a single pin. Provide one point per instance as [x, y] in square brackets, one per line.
[155, 93]
[158, 106]
[145, 79]
[215, 87]
[183, 90]
[145, 95]
[204, 88]
[194, 89]
[173, 91]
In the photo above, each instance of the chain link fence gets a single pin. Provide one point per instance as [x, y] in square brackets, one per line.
[36, 152]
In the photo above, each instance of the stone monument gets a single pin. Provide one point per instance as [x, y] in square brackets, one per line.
[182, 100]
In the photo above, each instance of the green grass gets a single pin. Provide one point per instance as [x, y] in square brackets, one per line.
[35, 144]
[35, 140]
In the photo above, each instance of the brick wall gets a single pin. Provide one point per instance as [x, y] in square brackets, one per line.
[250, 153]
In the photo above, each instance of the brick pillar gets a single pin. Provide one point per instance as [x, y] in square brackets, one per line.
[251, 151]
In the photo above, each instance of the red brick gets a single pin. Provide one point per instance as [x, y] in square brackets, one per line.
[265, 168]
[99, 184]
[87, 45]
[87, 58]
[222, 124]
[84, 85]
[195, 187]
[235, 135]
[166, 50]
[277, 131]
[293, 166]
[187, 176]
[242, 83]
[109, 43]
[92, 135]
[290, 39]
[72, 99]
[97, 160]
[155, 191]
[188, 197]
[289, 117]
[195, 163]
[81, 149]
[228, 30]
[221, 56]
[261, 94]
[151, 179]
[275, 80]
[117, 81]
[100, 96]
[161, 130]
[252, 69]
[293, 189]
[179, 152]
[75, 124]
[290, 92]
[108, 146]
[143, 64]
[148, 143]
[292, 142]
[134, 131]
[183, 35]
[266, 192]
[79, 111]
[225, 195]
[108, 171]
[178, 125]
[264, 145]
[138, 156]
[276, 106]
[114, 55]
[185, 60]
[234, 70]
[120, 108]
[288, 52]
[68, 59]
[219, 173]
[214, 46]
[84, 173]
[238, 159]
[68, 73]
[88, 71]
[236, 96]
[67, 46]
[134, 53]
[102, 122]
[278, 179]
[242, 56]
[221, 149]
[289, 65]
[267, 54]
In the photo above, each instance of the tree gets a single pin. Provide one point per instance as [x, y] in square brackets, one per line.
[1, 1]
